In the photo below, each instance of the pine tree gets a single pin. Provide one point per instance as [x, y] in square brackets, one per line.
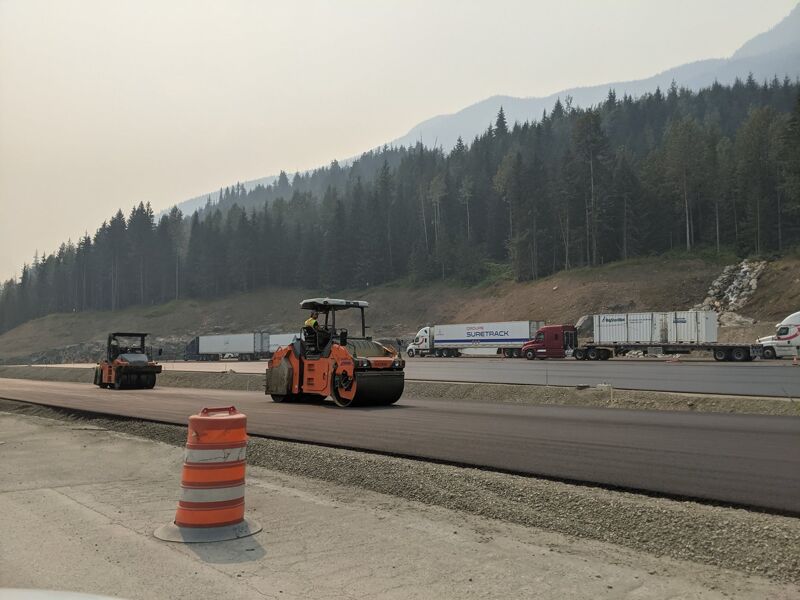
[500, 125]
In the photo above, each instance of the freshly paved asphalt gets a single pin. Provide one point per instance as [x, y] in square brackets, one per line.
[742, 459]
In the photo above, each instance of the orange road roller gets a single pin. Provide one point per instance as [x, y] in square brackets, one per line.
[126, 364]
[326, 361]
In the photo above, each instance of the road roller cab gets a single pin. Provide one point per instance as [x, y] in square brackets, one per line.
[126, 364]
[328, 361]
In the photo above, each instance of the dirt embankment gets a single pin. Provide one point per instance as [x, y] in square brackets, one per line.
[467, 392]
[399, 310]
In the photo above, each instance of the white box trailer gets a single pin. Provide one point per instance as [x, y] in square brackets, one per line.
[505, 337]
[674, 327]
[278, 340]
[232, 343]
[244, 346]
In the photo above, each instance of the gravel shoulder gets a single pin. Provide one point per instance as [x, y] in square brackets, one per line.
[756, 544]
[467, 392]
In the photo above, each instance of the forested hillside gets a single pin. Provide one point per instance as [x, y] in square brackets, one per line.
[718, 169]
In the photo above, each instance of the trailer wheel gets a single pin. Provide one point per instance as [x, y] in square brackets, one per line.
[508, 353]
[530, 354]
[720, 354]
[593, 354]
[446, 353]
[769, 353]
[410, 353]
[605, 354]
[437, 353]
[579, 354]
[740, 354]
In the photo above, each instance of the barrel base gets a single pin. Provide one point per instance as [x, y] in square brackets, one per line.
[193, 535]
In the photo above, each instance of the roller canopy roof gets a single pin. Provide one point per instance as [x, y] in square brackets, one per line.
[323, 304]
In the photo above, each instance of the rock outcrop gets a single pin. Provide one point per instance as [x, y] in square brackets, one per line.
[731, 291]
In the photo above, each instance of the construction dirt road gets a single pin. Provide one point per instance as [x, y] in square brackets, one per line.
[750, 460]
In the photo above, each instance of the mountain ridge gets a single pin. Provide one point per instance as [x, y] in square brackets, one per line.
[773, 53]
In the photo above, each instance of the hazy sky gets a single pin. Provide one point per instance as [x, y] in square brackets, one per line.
[105, 103]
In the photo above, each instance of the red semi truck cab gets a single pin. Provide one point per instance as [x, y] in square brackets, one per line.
[551, 341]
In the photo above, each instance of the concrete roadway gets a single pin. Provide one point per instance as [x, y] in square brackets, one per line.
[759, 378]
[742, 459]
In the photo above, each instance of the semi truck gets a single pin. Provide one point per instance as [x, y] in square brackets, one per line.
[244, 346]
[652, 333]
[507, 338]
[786, 341]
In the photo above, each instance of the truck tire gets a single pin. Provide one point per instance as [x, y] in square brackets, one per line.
[437, 353]
[720, 354]
[769, 353]
[517, 353]
[740, 354]
[605, 354]
[508, 353]
[593, 354]
[579, 354]
[410, 353]
[445, 353]
[530, 354]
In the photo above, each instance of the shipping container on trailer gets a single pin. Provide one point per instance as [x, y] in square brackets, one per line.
[651, 333]
[685, 326]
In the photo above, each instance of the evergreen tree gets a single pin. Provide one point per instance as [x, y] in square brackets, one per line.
[718, 168]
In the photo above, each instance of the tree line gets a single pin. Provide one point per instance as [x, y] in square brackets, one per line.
[717, 169]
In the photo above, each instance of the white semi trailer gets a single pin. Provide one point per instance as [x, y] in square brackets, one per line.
[786, 341]
[506, 338]
[244, 346]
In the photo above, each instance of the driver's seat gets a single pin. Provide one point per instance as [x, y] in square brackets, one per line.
[310, 340]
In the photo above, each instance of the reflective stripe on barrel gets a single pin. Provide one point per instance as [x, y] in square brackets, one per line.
[200, 454]
[212, 485]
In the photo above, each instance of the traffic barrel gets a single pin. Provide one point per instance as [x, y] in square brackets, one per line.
[211, 505]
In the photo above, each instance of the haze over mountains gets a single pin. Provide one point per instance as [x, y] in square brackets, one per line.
[773, 53]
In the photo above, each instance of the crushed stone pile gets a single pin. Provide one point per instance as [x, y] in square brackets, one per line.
[732, 290]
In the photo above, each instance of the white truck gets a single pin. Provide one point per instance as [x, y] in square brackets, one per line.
[506, 338]
[786, 341]
[244, 346]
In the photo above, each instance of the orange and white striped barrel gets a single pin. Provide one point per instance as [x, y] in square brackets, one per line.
[213, 481]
